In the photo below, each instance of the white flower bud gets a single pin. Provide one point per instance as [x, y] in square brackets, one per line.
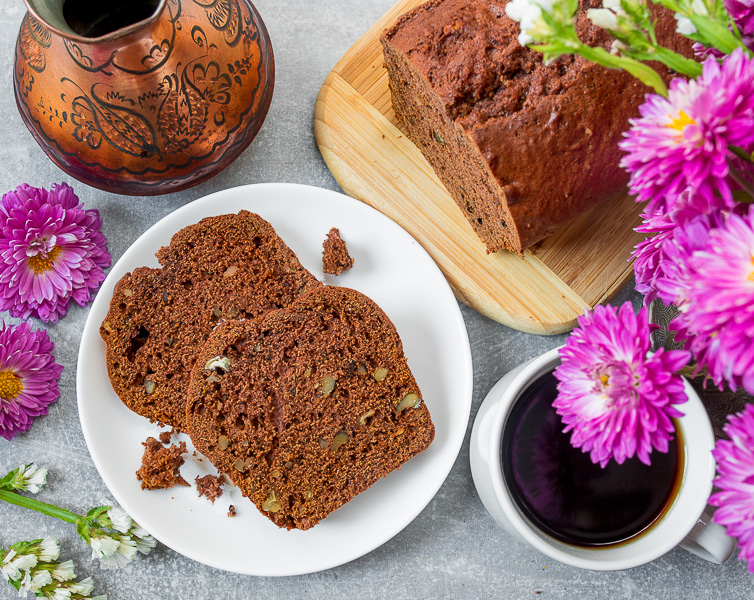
[698, 7]
[13, 565]
[603, 18]
[120, 519]
[617, 47]
[684, 25]
[30, 478]
[49, 549]
[64, 571]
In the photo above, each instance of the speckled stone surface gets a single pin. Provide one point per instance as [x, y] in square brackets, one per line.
[453, 549]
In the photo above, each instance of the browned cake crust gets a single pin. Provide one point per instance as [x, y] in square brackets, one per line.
[160, 466]
[307, 406]
[335, 257]
[522, 147]
[225, 267]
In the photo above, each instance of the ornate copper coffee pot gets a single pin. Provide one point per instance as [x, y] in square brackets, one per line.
[143, 96]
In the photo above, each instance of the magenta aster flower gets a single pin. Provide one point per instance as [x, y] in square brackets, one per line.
[717, 318]
[649, 254]
[28, 377]
[51, 251]
[662, 265]
[679, 145]
[735, 480]
[616, 400]
[742, 12]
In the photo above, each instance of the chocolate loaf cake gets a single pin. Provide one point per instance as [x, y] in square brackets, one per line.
[307, 406]
[522, 147]
[224, 267]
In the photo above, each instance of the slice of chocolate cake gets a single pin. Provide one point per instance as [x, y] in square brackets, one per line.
[307, 406]
[224, 267]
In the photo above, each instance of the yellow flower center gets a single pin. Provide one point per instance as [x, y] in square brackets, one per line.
[680, 122]
[40, 264]
[10, 385]
[604, 379]
[751, 275]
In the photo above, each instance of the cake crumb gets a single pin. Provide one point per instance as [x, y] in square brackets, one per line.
[165, 437]
[160, 466]
[335, 257]
[231, 511]
[210, 486]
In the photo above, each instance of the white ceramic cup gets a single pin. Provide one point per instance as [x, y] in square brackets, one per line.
[684, 522]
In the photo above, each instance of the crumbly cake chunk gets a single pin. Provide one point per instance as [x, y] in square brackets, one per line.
[523, 147]
[160, 466]
[335, 256]
[224, 267]
[210, 487]
[307, 406]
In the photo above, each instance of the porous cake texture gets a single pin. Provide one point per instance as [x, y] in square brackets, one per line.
[225, 267]
[307, 406]
[335, 256]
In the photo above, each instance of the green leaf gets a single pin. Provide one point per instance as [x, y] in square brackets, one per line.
[83, 525]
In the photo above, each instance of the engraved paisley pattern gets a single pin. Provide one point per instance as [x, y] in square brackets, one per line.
[33, 39]
[224, 16]
[113, 119]
[719, 404]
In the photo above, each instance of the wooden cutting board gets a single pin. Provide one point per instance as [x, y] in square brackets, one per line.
[581, 265]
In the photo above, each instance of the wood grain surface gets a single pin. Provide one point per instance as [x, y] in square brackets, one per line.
[579, 266]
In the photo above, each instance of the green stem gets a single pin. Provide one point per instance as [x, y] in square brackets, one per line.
[642, 72]
[746, 186]
[716, 34]
[46, 509]
[677, 62]
[740, 153]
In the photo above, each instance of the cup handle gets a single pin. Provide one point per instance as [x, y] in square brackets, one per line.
[709, 541]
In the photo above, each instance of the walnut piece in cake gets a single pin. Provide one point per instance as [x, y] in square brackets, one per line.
[335, 257]
[160, 466]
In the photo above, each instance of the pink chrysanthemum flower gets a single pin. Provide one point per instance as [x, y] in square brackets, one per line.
[717, 318]
[649, 255]
[662, 261]
[678, 148]
[735, 480]
[742, 12]
[28, 377]
[616, 400]
[51, 251]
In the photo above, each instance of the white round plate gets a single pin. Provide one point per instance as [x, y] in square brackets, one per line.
[392, 269]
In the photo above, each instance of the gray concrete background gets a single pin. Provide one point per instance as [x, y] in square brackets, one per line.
[453, 549]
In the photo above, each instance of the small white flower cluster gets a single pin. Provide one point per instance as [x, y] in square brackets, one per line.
[528, 13]
[116, 543]
[29, 478]
[607, 16]
[33, 567]
[684, 24]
